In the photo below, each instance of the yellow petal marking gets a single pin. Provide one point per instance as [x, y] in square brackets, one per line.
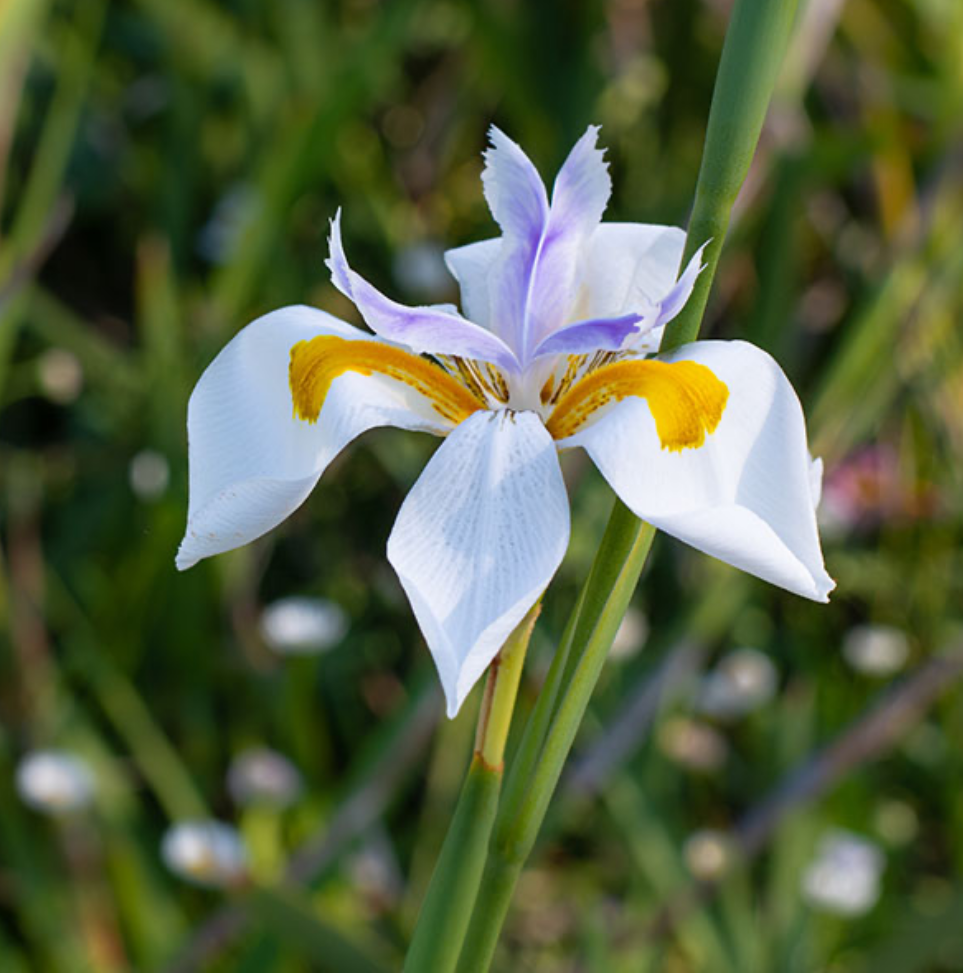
[317, 362]
[686, 399]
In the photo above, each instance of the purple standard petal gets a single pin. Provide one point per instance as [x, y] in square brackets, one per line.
[519, 205]
[581, 192]
[673, 302]
[425, 329]
[534, 279]
[594, 335]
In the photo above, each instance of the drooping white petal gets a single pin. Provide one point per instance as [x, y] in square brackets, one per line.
[745, 496]
[478, 539]
[251, 461]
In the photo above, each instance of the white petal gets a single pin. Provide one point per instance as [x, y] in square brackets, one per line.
[629, 265]
[478, 538]
[251, 462]
[746, 495]
[470, 266]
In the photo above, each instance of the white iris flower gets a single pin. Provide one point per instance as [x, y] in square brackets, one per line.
[562, 315]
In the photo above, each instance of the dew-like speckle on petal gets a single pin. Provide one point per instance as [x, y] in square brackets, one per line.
[55, 782]
[301, 625]
[261, 776]
[149, 474]
[205, 852]
[876, 650]
[844, 877]
[742, 681]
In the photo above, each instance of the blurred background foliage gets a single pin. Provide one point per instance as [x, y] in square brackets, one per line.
[167, 172]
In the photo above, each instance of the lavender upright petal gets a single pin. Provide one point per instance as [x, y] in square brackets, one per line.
[534, 280]
[425, 329]
[519, 205]
[581, 192]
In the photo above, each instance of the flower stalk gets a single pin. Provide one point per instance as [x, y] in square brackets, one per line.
[448, 903]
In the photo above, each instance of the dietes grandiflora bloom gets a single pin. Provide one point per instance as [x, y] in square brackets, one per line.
[555, 348]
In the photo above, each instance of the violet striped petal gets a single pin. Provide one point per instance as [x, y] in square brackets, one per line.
[579, 197]
[519, 205]
[594, 335]
[535, 280]
[673, 302]
[423, 329]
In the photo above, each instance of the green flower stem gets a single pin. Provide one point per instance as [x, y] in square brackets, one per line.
[614, 576]
[753, 52]
[451, 894]
[755, 44]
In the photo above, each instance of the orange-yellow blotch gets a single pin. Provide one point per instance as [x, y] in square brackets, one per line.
[686, 399]
[317, 362]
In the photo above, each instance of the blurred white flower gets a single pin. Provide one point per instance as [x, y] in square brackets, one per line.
[205, 852]
[707, 854]
[693, 744]
[263, 776]
[54, 781]
[876, 650]
[61, 375]
[631, 634]
[300, 625]
[844, 878]
[741, 682]
[149, 474]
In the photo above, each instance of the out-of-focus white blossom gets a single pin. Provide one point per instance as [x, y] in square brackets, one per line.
[205, 852]
[707, 854]
[741, 682]
[149, 474]
[55, 782]
[262, 776]
[631, 634]
[693, 744]
[299, 625]
[61, 375]
[844, 878]
[876, 650]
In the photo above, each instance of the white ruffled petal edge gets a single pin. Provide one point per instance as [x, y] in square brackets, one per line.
[747, 496]
[478, 539]
[252, 463]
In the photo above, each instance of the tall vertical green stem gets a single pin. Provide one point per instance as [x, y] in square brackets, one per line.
[753, 51]
[752, 54]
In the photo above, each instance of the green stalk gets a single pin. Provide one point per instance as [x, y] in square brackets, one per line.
[752, 54]
[614, 576]
[448, 903]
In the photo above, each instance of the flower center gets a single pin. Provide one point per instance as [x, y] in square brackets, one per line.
[317, 362]
[686, 399]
